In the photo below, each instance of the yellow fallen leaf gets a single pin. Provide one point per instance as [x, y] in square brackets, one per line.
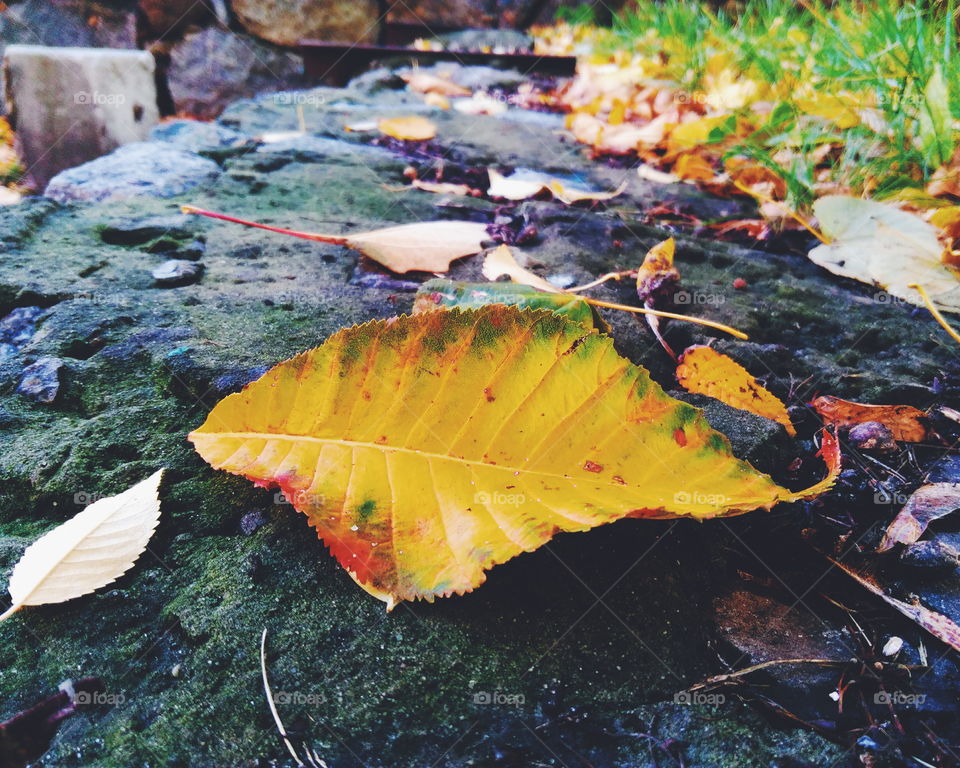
[694, 167]
[755, 177]
[413, 128]
[427, 449]
[90, 550]
[705, 371]
[437, 100]
[693, 133]
[616, 139]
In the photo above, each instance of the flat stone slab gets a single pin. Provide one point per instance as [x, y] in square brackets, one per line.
[531, 668]
[142, 169]
[207, 139]
[71, 105]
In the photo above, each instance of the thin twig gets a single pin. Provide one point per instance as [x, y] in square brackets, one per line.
[672, 315]
[271, 703]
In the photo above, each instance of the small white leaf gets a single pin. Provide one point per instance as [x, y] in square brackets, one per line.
[500, 261]
[90, 550]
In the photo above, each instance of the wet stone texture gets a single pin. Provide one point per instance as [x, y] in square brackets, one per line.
[571, 655]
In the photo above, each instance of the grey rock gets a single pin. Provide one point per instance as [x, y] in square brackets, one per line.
[137, 231]
[498, 40]
[286, 22]
[306, 145]
[141, 169]
[213, 67]
[253, 520]
[476, 78]
[41, 380]
[193, 250]
[18, 327]
[65, 23]
[762, 442]
[71, 105]
[873, 437]
[177, 272]
[759, 628]
[207, 139]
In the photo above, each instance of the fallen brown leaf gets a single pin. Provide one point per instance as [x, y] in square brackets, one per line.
[928, 503]
[905, 422]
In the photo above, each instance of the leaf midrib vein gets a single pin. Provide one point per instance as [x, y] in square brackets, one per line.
[396, 449]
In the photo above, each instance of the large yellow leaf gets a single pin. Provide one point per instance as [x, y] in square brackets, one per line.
[90, 550]
[882, 245]
[426, 449]
[414, 128]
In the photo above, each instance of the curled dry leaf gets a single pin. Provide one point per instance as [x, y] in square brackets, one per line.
[442, 187]
[427, 246]
[928, 503]
[658, 273]
[937, 624]
[500, 261]
[525, 184]
[90, 550]
[882, 245]
[413, 128]
[571, 195]
[705, 371]
[427, 449]
[905, 422]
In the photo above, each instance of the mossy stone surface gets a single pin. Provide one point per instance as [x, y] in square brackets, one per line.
[579, 647]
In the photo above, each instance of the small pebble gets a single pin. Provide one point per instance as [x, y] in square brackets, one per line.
[177, 272]
[41, 380]
[252, 520]
[193, 251]
[873, 437]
